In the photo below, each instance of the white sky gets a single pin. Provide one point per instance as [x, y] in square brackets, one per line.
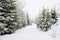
[34, 6]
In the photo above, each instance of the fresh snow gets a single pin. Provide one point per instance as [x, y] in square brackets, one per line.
[33, 33]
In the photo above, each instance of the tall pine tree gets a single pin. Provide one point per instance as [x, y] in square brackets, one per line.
[8, 17]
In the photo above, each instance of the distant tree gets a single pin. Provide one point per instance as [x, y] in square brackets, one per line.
[28, 20]
[54, 15]
[46, 19]
[21, 19]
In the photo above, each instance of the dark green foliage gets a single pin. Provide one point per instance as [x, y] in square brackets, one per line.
[8, 16]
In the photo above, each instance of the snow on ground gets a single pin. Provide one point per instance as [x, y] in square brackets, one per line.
[30, 33]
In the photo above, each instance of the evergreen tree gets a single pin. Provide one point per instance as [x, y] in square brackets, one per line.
[22, 19]
[8, 17]
[28, 20]
[54, 16]
[46, 19]
[23, 22]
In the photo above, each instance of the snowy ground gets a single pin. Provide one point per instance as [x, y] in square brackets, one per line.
[30, 33]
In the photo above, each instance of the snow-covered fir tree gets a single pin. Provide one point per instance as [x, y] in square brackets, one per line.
[22, 21]
[54, 16]
[46, 19]
[8, 17]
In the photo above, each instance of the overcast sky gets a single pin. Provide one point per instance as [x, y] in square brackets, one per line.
[34, 6]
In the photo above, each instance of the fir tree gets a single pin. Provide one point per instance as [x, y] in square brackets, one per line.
[54, 15]
[46, 19]
[28, 20]
[8, 16]
[22, 19]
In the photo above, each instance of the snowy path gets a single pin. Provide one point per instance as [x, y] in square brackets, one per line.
[29, 33]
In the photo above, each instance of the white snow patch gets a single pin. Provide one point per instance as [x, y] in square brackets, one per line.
[30, 33]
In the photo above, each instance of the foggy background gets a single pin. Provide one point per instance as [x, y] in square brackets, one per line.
[32, 7]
